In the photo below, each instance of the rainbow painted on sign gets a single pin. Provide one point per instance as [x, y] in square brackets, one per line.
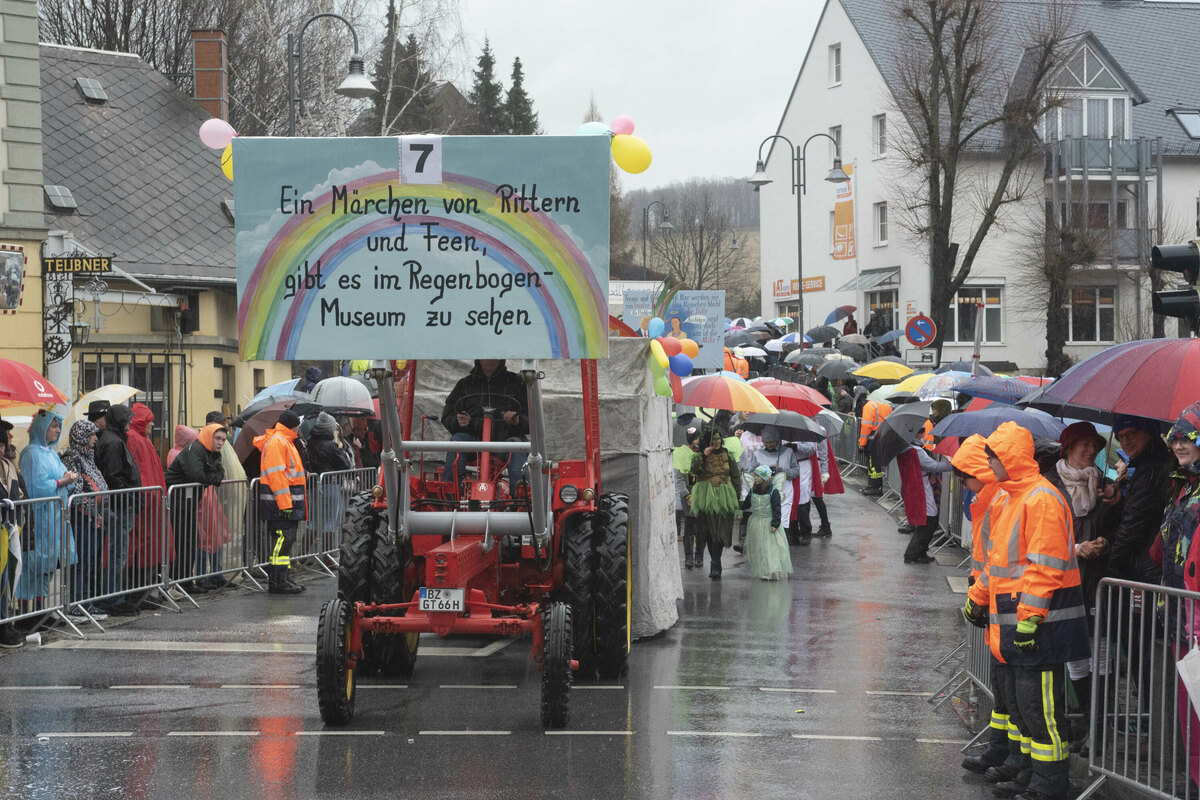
[557, 276]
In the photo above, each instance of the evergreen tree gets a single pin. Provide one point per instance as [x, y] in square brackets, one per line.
[402, 102]
[486, 95]
[522, 121]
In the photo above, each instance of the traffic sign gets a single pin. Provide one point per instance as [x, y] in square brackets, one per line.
[920, 331]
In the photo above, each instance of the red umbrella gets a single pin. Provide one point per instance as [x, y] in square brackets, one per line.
[21, 385]
[779, 392]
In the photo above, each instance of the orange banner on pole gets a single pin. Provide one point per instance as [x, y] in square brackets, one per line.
[843, 218]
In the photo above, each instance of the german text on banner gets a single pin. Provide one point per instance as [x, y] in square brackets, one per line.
[843, 218]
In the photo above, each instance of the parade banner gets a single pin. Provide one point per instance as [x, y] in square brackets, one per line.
[422, 247]
[843, 218]
[698, 315]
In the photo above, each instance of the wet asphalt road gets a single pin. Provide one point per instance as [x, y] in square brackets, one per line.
[815, 688]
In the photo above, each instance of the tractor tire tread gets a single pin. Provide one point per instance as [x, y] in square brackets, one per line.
[578, 590]
[356, 549]
[556, 665]
[335, 703]
[612, 586]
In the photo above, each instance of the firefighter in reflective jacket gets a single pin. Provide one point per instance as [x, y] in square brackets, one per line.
[1035, 606]
[873, 415]
[281, 498]
[1004, 755]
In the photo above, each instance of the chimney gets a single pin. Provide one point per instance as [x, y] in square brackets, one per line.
[209, 76]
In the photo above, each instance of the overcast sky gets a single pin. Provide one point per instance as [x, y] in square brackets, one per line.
[705, 81]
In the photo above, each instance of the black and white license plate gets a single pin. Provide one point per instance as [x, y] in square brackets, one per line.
[440, 599]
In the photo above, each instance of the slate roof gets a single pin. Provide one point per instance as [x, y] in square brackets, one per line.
[148, 190]
[1153, 42]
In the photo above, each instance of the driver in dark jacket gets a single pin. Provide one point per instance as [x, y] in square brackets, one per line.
[490, 385]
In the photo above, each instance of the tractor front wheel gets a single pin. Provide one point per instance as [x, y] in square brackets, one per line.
[556, 665]
[336, 681]
[356, 549]
[395, 654]
[578, 589]
[612, 586]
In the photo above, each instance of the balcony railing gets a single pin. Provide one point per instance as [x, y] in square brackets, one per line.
[1100, 158]
[1108, 246]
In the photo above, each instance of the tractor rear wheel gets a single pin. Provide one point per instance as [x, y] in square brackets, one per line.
[336, 681]
[394, 654]
[556, 665]
[578, 590]
[612, 586]
[356, 549]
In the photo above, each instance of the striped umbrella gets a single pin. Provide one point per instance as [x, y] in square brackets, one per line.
[717, 391]
[935, 385]
[1001, 390]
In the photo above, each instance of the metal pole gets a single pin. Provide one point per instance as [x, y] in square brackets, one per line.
[645, 222]
[291, 88]
[798, 188]
[978, 337]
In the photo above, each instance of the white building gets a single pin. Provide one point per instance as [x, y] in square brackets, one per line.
[1131, 61]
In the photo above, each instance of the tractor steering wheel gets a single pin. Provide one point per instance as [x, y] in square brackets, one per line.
[483, 404]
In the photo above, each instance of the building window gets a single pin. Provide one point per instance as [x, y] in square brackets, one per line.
[879, 134]
[835, 147]
[964, 307]
[881, 224]
[1092, 314]
[885, 303]
[835, 64]
[1105, 117]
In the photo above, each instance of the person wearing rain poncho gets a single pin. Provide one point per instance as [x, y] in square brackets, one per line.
[87, 510]
[715, 496]
[766, 549]
[46, 477]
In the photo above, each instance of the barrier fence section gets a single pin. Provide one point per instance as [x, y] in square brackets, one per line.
[328, 509]
[845, 444]
[208, 528]
[41, 586]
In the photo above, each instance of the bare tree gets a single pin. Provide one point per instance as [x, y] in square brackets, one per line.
[696, 252]
[422, 44]
[970, 136]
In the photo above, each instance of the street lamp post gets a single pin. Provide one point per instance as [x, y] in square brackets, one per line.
[836, 175]
[355, 86]
[665, 225]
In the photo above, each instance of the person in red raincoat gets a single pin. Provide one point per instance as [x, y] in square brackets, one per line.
[826, 479]
[146, 542]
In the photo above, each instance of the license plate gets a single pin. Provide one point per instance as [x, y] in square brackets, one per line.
[440, 599]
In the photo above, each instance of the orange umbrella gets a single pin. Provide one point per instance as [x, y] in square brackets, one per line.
[22, 385]
[717, 391]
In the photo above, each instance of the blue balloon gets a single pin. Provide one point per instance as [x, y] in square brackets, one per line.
[681, 364]
[592, 129]
[656, 327]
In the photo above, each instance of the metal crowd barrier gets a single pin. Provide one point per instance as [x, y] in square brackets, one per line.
[845, 445]
[208, 527]
[41, 588]
[328, 509]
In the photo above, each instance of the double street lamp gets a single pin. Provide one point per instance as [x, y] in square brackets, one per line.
[355, 86]
[665, 225]
[836, 175]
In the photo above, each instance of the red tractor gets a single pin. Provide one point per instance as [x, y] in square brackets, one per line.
[549, 558]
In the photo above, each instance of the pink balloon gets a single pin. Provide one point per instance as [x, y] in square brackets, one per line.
[216, 133]
[622, 124]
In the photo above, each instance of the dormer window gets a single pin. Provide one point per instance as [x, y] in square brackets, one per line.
[1093, 94]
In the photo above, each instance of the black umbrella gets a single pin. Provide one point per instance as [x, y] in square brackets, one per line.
[740, 338]
[283, 401]
[758, 328]
[784, 374]
[962, 366]
[263, 420]
[793, 426]
[893, 359]
[858, 352]
[838, 369]
[823, 333]
[899, 430]
[804, 358]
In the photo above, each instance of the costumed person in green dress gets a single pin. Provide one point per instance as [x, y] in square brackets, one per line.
[766, 549]
[715, 496]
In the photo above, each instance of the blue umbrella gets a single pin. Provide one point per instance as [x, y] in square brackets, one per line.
[794, 338]
[997, 389]
[890, 336]
[280, 390]
[986, 420]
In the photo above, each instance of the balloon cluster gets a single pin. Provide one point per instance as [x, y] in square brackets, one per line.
[219, 134]
[670, 360]
[631, 153]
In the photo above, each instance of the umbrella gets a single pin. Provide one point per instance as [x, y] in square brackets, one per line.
[855, 351]
[740, 339]
[855, 338]
[284, 401]
[831, 422]
[758, 328]
[781, 392]
[281, 389]
[1153, 378]
[892, 359]
[984, 421]
[890, 336]
[939, 385]
[780, 322]
[262, 421]
[717, 391]
[795, 338]
[750, 352]
[963, 366]
[841, 312]
[1001, 390]
[913, 382]
[792, 426]
[888, 394]
[774, 346]
[838, 370]
[899, 430]
[884, 371]
[731, 375]
[823, 333]
[22, 385]
[114, 393]
[741, 322]
[728, 322]
[804, 359]
[342, 392]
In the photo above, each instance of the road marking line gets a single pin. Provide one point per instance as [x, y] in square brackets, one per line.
[494, 647]
[940, 741]
[797, 691]
[590, 733]
[339, 733]
[464, 733]
[740, 734]
[151, 686]
[698, 688]
[83, 734]
[958, 584]
[38, 688]
[838, 738]
[280, 648]
[594, 688]
[212, 733]
[478, 686]
[902, 694]
[362, 686]
[260, 686]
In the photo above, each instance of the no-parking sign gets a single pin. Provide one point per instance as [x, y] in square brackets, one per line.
[920, 331]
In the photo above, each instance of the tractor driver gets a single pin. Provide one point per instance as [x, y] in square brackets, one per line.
[488, 385]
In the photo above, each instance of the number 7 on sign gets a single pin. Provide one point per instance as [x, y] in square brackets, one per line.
[421, 159]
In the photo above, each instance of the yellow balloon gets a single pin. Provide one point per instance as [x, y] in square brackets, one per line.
[227, 161]
[658, 354]
[631, 153]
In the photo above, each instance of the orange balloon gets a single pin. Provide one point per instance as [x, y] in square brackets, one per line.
[690, 348]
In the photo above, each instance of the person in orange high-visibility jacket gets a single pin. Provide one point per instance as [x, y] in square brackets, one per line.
[281, 497]
[874, 412]
[1004, 751]
[1035, 606]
